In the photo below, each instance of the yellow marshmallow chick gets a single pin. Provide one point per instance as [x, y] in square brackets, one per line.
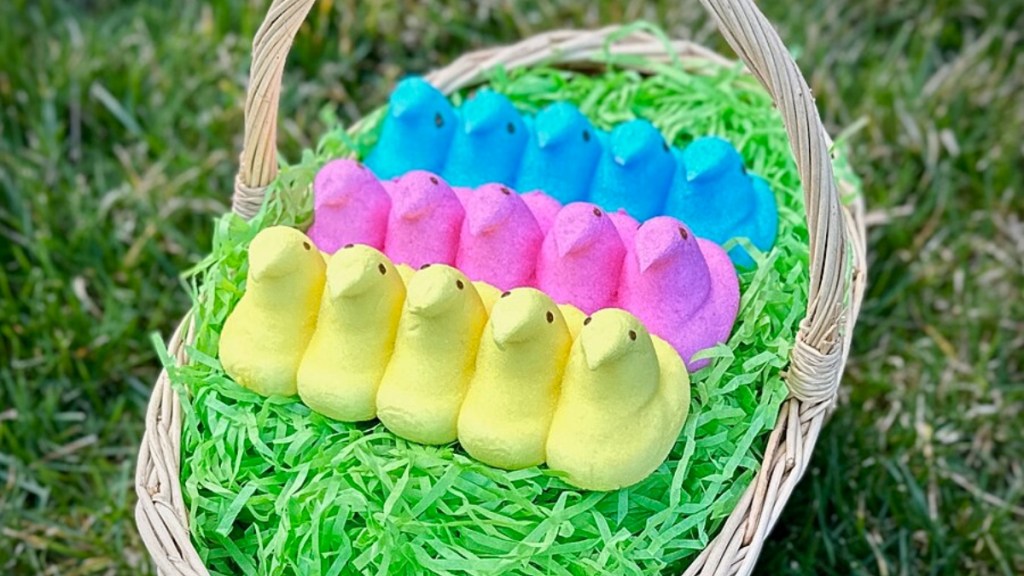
[435, 352]
[620, 410]
[507, 412]
[574, 318]
[406, 272]
[355, 335]
[488, 294]
[266, 334]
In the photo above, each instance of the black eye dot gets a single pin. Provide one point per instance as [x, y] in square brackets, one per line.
[433, 180]
[505, 191]
[587, 320]
[347, 246]
[597, 212]
[586, 135]
[383, 269]
[425, 266]
[438, 120]
[306, 245]
[551, 317]
[682, 232]
[632, 335]
[503, 294]
[459, 284]
[511, 128]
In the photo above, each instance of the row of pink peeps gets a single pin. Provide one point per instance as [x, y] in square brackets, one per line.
[682, 288]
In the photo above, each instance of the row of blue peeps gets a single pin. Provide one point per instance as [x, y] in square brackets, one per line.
[558, 151]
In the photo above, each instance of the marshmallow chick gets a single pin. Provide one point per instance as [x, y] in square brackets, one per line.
[425, 221]
[265, 336]
[349, 206]
[354, 336]
[626, 225]
[544, 208]
[622, 405]
[581, 258]
[505, 418]
[416, 133]
[635, 171]
[561, 155]
[500, 238]
[435, 352]
[684, 289]
[718, 200]
[489, 143]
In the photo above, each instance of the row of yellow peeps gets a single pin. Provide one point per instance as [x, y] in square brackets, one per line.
[515, 378]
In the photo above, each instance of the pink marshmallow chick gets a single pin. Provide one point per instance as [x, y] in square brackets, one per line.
[581, 258]
[500, 238]
[544, 207]
[425, 220]
[463, 194]
[349, 207]
[626, 225]
[683, 288]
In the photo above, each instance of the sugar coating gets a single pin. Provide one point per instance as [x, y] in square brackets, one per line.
[682, 288]
[581, 258]
[265, 336]
[425, 221]
[500, 238]
[635, 171]
[350, 206]
[417, 113]
[623, 402]
[713, 193]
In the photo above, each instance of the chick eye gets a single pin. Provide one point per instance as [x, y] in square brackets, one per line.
[438, 120]
[586, 135]
[587, 320]
[597, 212]
[347, 246]
[632, 335]
[425, 266]
[433, 180]
[503, 294]
[682, 232]
[306, 245]
[383, 269]
[505, 191]
[511, 128]
[551, 317]
[459, 284]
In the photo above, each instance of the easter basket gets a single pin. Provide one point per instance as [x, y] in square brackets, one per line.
[568, 532]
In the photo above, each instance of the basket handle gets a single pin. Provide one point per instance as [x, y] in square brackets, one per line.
[817, 354]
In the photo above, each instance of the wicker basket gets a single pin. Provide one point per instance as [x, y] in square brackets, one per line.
[837, 262]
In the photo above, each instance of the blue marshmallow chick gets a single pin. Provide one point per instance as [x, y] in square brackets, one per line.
[561, 155]
[489, 143]
[716, 197]
[635, 171]
[417, 131]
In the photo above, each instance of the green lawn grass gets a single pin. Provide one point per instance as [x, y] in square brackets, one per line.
[120, 125]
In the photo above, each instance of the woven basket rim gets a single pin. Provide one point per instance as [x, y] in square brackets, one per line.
[161, 516]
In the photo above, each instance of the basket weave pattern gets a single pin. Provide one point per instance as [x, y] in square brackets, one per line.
[837, 262]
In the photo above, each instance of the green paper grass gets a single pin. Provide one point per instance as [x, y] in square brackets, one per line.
[272, 488]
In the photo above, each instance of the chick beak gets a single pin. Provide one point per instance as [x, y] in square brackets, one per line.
[411, 207]
[484, 220]
[426, 296]
[599, 348]
[350, 281]
[268, 264]
[570, 240]
[510, 325]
